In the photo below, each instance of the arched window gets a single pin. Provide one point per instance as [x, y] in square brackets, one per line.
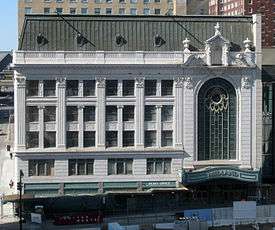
[217, 120]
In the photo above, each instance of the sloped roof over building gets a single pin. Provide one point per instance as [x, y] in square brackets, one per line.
[128, 33]
[5, 59]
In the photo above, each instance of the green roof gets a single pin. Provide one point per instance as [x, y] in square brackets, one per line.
[138, 32]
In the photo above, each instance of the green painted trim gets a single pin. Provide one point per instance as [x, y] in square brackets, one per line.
[79, 186]
[220, 173]
[40, 186]
[108, 185]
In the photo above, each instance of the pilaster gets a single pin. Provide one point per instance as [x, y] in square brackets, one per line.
[100, 112]
[20, 111]
[139, 113]
[120, 125]
[178, 112]
[80, 88]
[80, 126]
[41, 88]
[120, 88]
[158, 125]
[61, 112]
[41, 125]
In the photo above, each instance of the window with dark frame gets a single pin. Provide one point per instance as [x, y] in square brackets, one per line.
[128, 138]
[111, 113]
[128, 87]
[167, 113]
[89, 88]
[32, 140]
[89, 113]
[120, 166]
[150, 138]
[159, 165]
[167, 138]
[49, 139]
[129, 113]
[150, 87]
[166, 87]
[81, 167]
[41, 167]
[71, 113]
[32, 114]
[111, 87]
[111, 139]
[72, 139]
[49, 113]
[150, 113]
[89, 138]
[32, 88]
[72, 88]
[49, 88]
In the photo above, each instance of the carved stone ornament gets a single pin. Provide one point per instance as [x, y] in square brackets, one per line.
[61, 82]
[21, 81]
[41, 106]
[140, 82]
[179, 81]
[80, 106]
[189, 83]
[101, 82]
[246, 83]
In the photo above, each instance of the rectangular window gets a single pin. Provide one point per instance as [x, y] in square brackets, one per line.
[150, 138]
[47, 10]
[120, 166]
[72, 88]
[32, 88]
[49, 113]
[146, 11]
[111, 88]
[89, 113]
[49, 88]
[108, 10]
[49, 139]
[89, 138]
[28, 10]
[150, 113]
[167, 113]
[111, 139]
[89, 88]
[128, 87]
[167, 138]
[32, 139]
[59, 10]
[133, 11]
[81, 167]
[32, 114]
[41, 167]
[128, 138]
[97, 11]
[72, 113]
[146, 1]
[129, 113]
[150, 87]
[133, 1]
[159, 166]
[166, 87]
[121, 11]
[72, 10]
[72, 139]
[111, 113]
[157, 11]
[84, 10]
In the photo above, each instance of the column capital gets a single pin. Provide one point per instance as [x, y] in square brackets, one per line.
[158, 106]
[81, 107]
[41, 106]
[61, 82]
[101, 82]
[189, 84]
[179, 82]
[140, 82]
[120, 106]
[20, 80]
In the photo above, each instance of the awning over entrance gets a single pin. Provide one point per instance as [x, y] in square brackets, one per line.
[212, 173]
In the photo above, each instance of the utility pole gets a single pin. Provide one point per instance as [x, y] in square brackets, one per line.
[19, 187]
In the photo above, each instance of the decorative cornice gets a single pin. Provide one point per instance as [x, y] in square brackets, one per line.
[61, 82]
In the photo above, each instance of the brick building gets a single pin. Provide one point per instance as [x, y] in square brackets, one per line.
[248, 7]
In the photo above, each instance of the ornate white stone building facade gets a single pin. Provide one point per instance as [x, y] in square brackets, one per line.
[128, 138]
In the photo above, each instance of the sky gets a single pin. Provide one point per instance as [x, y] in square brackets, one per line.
[8, 24]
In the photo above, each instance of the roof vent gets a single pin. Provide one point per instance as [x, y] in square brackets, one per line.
[159, 41]
[81, 40]
[41, 40]
[120, 40]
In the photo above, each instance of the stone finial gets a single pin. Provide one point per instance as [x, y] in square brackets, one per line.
[247, 44]
[186, 42]
[217, 29]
